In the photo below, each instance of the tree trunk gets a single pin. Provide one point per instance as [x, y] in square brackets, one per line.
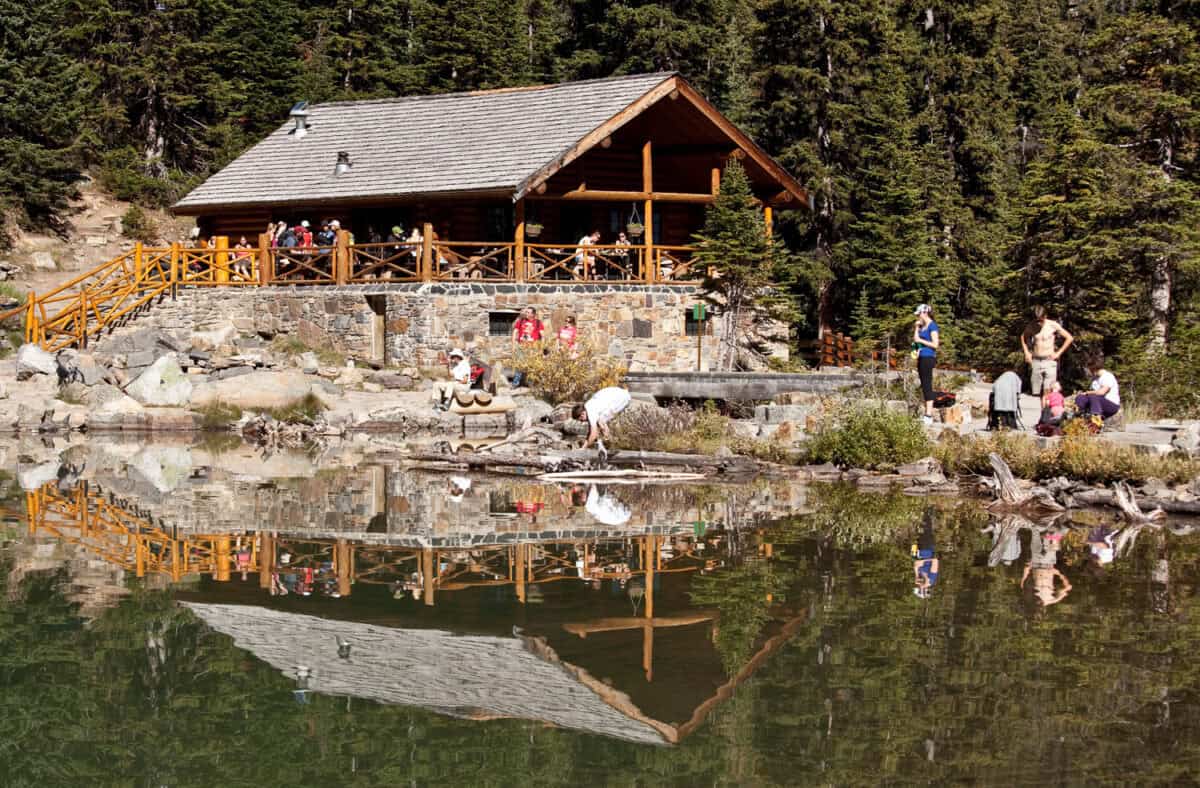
[1160, 304]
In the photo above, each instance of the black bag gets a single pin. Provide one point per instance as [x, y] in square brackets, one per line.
[943, 399]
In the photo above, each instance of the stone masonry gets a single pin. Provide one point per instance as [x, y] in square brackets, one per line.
[413, 324]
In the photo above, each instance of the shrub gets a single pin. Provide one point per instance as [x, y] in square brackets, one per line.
[138, 225]
[681, 430]
[219, 416]
[557, 374]
[1084, 458]
[303, 411]
[868, 437]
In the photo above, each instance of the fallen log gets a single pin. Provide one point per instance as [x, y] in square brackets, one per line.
[1106, 498]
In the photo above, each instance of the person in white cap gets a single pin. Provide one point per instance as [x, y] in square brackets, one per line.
[460, 380]
[926, 339]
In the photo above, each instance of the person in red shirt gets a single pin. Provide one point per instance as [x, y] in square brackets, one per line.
[526, 330]
[304, 235]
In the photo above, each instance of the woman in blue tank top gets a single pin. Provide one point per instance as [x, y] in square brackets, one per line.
[927, 339]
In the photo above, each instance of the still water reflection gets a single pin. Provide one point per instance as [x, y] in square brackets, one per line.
[377, 624]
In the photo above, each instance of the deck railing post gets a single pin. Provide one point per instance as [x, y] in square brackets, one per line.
[341, 258]
[174, 269]
[519, 242]
[221, 260]
[138, 262]
[30, 316]
[265, 261]
[83, 318]
[651, 273]
[427, 252]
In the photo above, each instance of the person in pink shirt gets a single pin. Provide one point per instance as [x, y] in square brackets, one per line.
[1055, 401]
[568, 334]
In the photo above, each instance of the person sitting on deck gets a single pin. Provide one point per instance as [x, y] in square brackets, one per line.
[584, 259]
[601, 408]
[242, 257]
[460, 380]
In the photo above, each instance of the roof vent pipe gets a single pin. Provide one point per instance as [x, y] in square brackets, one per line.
[300, 113]
[343, 163]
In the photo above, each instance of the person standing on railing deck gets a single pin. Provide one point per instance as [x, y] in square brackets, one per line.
[926, 338]
[527, 330]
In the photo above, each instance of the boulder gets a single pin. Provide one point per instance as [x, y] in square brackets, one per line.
[261, 390]
[164, 467]
[43, 261]
[230, 372]
[163, 384]
[308, 363]
[213, 336]
[532, 410]
[922, 467]
[39, 475]
[76, 367]
[140, 359]
[350, 377]
[1187, 439]
[32, 360]
[777, 414]
[97, 397]
[387, 379]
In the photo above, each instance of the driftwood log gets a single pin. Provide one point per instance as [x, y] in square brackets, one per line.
[573, 459]
[1107, 498]
[1013, 496]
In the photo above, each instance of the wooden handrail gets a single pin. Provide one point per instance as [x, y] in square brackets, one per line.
[81, 308]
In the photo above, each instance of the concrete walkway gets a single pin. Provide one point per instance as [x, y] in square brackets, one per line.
[1150, 437]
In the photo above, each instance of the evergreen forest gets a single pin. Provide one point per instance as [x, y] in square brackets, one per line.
[983, 156]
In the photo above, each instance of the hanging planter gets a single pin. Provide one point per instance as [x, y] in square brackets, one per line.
[532, 229]
[634, 227]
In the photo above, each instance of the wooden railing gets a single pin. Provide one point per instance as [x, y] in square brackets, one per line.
[106, 296]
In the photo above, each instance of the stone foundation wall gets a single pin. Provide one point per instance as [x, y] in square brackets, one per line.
[412, 324]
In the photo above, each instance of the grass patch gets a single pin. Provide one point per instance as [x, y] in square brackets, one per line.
[291, 346]
[302, 411]
[868, 437]
[218, 442]
[219, 416]
[1083, 458]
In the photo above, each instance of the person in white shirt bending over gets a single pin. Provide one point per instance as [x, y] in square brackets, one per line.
[460, 380]
[1105, 397]
[599, 410]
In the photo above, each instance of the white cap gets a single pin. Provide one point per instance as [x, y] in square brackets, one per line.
[304, 223]
[335, 223]
[922, 309]
[457, 352]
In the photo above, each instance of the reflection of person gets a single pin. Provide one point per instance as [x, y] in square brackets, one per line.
[1042, 565]
[1038, 343]
[457, 487]
[606, 508]
[1100, 545]
[926, 566]
[927, 338]
[601, 408]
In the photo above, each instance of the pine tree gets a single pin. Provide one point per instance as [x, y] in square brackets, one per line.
[747, 288]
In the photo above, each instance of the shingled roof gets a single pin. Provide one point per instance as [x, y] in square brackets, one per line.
[461, 142]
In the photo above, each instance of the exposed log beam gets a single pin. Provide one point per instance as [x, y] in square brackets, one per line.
[625, 196]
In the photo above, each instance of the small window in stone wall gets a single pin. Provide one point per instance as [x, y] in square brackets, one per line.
[500, 324]
[693, 327]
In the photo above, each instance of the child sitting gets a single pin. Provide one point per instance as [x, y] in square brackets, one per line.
[1054, 401]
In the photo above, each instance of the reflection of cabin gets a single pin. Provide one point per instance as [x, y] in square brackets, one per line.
[477, 677]
[512, 177]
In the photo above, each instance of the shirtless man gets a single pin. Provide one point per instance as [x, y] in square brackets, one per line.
[1043, 357]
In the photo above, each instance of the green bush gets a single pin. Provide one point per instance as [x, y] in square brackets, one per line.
[303, 411]
[138, 225]
[557, 374]
[868, 437]
[122, 173]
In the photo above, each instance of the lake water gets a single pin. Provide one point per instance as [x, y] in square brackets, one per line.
[206, 615]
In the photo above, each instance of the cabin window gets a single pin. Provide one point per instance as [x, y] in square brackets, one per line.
[693, 327]
[500, 324]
